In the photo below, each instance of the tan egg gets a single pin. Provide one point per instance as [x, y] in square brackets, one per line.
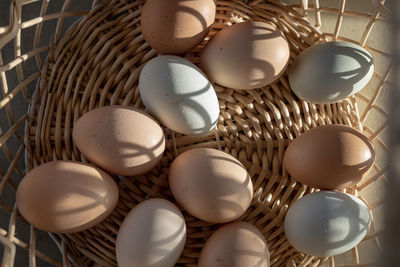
[66, 196]
[329, 157]
[246, 55]
[176, 26]
[120, 139]
[211, 185]
[153, 234]
[237, 244]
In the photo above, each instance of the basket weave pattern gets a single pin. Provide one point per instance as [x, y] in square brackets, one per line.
[98, 62]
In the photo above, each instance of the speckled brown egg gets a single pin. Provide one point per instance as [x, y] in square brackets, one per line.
[66, 197]
[247, 55]
[329, 157]
[237, 244]
[120, 139]
[176, 26]
[211, 185]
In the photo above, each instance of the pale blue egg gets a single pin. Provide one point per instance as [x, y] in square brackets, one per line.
[326, 223]
[330, 72]
[179, 95]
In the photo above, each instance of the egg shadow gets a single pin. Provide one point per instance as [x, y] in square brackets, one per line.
[135, 149]
[259, 65]
[355, 226]
[344, 81]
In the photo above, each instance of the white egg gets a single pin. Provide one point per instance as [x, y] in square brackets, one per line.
[330, 72]
[153, 234]
[179, 95]
[326, 223]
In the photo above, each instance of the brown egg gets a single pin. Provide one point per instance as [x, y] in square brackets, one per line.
[237, 244]
[329, 157]
[66, 196]
[176, 26]
[246, 55]
[211, 185]
[120, 139]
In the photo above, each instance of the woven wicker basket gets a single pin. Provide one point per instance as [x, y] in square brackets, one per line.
[97, 61]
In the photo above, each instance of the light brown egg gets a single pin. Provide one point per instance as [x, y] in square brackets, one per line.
[176, 26]
[120, 139]
[66, 196]
[211, 185]
[246, 55]
[329, 157]
[237, 244]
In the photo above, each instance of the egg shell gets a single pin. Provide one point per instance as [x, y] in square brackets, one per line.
[176, 26]
[326, 223]
[120, 139]
[211, 185]
[247, 55]
[179, 95]
[330, 72]
[329, 157]
[153, 234]
[66, 196]
[236, 244]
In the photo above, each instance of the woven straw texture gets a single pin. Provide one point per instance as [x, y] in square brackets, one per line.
[97, 62]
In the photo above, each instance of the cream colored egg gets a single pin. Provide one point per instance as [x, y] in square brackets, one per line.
[153, 234]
